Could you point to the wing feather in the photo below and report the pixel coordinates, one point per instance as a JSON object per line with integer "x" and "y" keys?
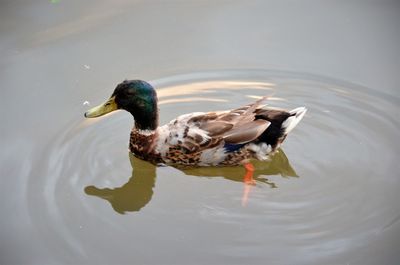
{"x": 236, "y": 126}
{"x": 246, "y": 132}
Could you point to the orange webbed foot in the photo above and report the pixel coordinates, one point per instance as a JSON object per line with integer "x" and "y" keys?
{"x": 248, "y": 181}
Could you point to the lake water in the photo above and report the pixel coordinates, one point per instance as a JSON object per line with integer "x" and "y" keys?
{"x": 72, "y": 193}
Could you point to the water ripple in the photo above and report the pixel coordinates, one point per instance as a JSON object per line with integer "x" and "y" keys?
{"x": 343, "y": 152}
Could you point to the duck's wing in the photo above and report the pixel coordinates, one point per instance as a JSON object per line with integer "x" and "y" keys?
{"x": 199, "y": 131}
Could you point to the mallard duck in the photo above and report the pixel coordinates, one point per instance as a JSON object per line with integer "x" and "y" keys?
{"x": 218, "y": 138}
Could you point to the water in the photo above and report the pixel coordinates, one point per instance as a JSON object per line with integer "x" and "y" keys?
{"x": 327, "y": 193}
{"x": 72, "y": 194}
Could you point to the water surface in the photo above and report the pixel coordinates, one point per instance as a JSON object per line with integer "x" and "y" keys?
{"x": 327, "y": 194}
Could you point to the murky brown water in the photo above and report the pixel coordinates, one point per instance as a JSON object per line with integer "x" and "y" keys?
{"x": 72, "y": 194}
{"x": 328, "y": 192}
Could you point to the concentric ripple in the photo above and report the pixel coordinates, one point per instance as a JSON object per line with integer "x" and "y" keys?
{"x": 336, "y": 179}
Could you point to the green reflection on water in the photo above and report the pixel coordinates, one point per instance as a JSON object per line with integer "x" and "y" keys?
{"x": 138, "y": 191}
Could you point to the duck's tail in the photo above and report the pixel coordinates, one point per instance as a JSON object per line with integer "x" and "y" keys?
{"x": 282, "y": 122}
{"x": 295, "y": 117}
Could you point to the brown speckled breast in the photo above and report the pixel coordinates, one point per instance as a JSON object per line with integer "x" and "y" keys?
{"x": 142, "y": 146}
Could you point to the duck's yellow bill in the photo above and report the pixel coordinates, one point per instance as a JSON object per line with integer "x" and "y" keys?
{"x": 102, "y": 109}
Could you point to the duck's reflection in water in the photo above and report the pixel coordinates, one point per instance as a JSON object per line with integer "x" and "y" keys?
{"x": 134, "y": 194}
{"x": 138, "y": 191}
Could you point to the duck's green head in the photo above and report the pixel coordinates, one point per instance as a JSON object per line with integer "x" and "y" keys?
{"x": 135, "y": 96}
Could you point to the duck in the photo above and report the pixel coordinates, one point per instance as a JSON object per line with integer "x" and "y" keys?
{"x": 200, "y": 139}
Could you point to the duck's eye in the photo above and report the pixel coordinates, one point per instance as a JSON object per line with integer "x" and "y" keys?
{"x": 130, "y": 93}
